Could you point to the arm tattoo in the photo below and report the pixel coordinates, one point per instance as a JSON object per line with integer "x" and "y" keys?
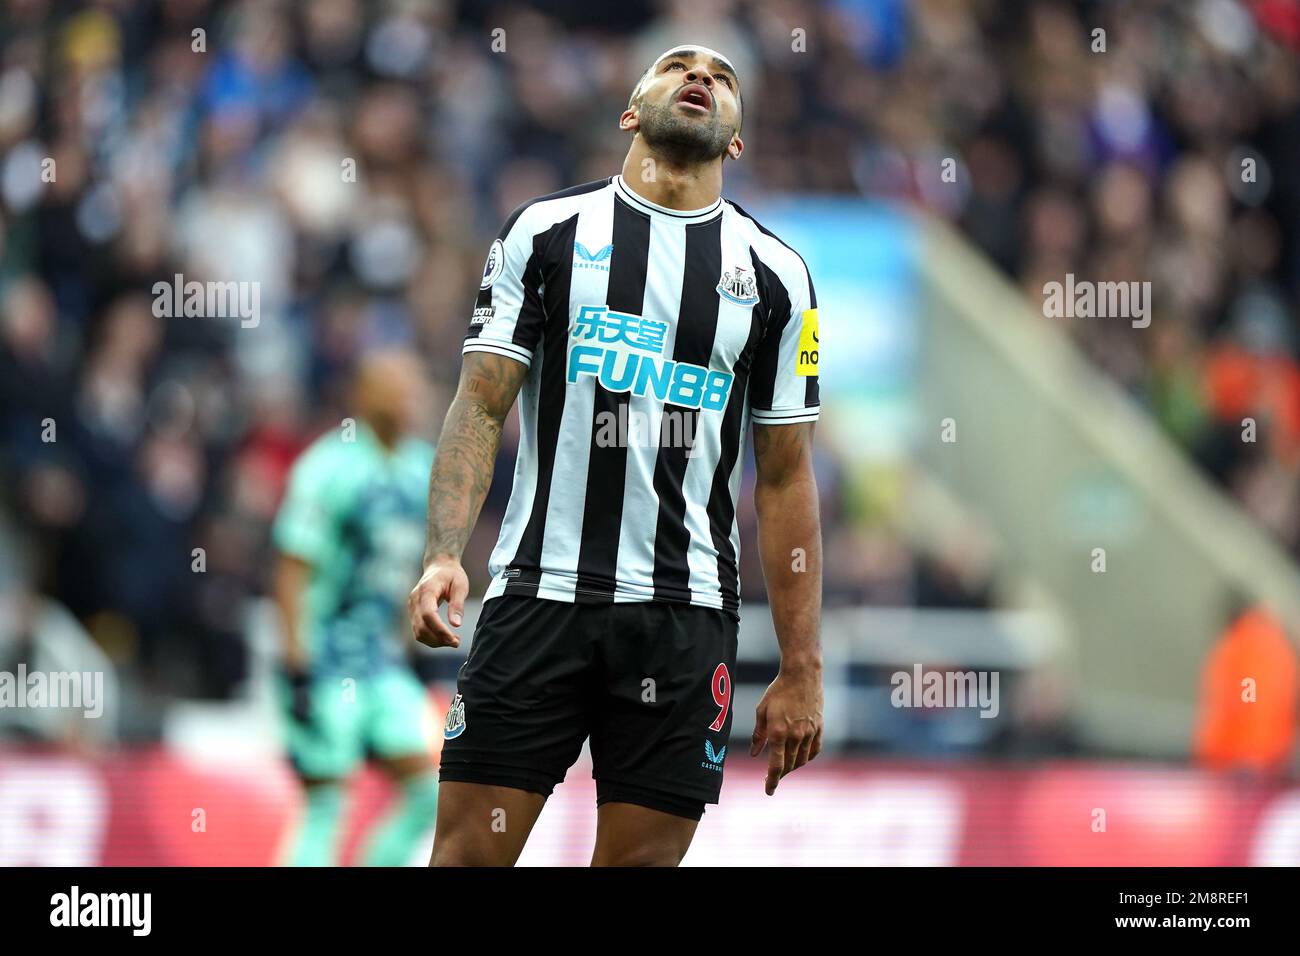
{"x": 467, "y": 450}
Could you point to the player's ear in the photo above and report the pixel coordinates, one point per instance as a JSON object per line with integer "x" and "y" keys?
{"x": 735, "y": 147}
{"x": 629, "y": 122}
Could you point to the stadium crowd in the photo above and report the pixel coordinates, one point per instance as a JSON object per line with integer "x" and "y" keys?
{"x": 354, "y": 160}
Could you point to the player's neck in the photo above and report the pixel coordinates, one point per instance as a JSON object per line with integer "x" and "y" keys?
{"x": 670, "y": 184}
{"x": 385, "y": 436}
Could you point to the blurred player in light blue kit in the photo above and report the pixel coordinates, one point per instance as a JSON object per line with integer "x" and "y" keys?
{"x": 349, "y": 537}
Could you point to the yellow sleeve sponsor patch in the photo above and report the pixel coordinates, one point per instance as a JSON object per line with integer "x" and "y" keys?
{"x": 808, "y": 344}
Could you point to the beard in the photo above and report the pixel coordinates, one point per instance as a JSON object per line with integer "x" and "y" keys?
{"x": 682, "y": 140}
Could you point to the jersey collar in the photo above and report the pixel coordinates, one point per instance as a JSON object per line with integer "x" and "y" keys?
{"x": 656, "y": 211}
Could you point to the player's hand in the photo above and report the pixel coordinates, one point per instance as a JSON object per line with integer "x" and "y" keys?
{"x": 789, "y": 718}
{"x": 443, "y": 581}
{"x": 299, "y": 682}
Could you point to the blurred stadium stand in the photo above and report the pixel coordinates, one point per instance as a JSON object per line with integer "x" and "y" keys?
{"x": 1062, "y": 462}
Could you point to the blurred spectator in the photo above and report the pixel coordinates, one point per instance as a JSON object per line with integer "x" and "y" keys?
{"x": 40, "y": 641}
{"x": 1250, "y": 691}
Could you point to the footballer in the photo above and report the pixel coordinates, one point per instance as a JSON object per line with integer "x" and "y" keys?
{"x": 348, "y": 536}
{"x": 612, "y": 613}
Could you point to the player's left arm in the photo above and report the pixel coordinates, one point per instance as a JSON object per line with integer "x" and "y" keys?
{"x": 785, "y": 401}
{"x": 789, "y": 716}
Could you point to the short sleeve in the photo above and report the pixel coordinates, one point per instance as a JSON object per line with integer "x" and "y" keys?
{"x": 304, "y": 526}
{"x": 783, "y": 386}
{"x": 508, "y": 312}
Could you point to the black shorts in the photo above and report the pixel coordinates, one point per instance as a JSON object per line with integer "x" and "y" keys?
{"x": 649, "y": 683}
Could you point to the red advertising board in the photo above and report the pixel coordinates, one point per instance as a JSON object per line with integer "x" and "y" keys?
{"x": 153, "y": 807}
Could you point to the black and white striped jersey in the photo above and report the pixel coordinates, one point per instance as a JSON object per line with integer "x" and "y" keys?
{"x": 651, "y": 336}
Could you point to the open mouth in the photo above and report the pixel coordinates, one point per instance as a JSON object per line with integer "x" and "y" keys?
{"x": 696, "y": 97}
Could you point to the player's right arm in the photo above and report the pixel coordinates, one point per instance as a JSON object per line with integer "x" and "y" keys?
{"x": 289, "y": 583}
{"x": 458, "y": 483}
{"x": 503, "y": 331}
{"x": 302, "y": 532}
